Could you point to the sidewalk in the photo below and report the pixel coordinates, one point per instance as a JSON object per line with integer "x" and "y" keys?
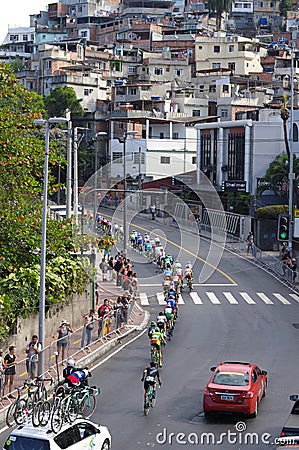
{"x": 83, "y": 356}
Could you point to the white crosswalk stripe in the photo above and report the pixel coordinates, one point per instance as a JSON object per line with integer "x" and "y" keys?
{"x": 213, "y": 298}
{"x": 143, "y": 299}
{"x": 180, "y": 300}
{"x": 282, "y": 299}
{"x": 233, "y": 298}
{"x": 160, "y": 298}
{"x": 247, "y": 298}
{"x": 295, "y": 297}
{"x": 196, "y": 299}
{"x": 264, "y": 298}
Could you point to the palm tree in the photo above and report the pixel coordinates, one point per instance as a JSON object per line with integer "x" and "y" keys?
{"x": 219, "y": 7}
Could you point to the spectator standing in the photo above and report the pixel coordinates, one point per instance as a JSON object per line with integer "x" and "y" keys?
{"x": 153, "y": 211}
{"x": 125, "y": 300}
{"x": 118, "y": 269}
{"x": 1, "y": 373}
{"x": 104, "y": 313}
{"x": 118, "y": 312}
{"x": 293, "y": 267}
{"x": 249, "y": 240}
{"x": 32, "y": 350}
{"x": 9, "y": 370}
{"x": 135, "y": 284}
{"x": 87, "y": 329}
{"x": 110, "y": 269}
{"x": 104, "y": 268}
{"x": 285, "y": 262}
{"x": 63, "y": 333}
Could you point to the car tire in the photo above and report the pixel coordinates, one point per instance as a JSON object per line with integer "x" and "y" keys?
{"x": 254, "y": 414}
{"x": 265, "y": 390}
{"x": 106, "y": 445}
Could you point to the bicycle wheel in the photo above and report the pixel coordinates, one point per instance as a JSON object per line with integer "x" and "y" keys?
{"x": 73, "y": 409}
{"x": 10, "y": 420}
{"x": 40, "y": 394}
{"x": 146, "y": 407}
{"x": 160, "y": 359}
{"x": 45, "y": 413}
{"x": 20, "y": 411}
{"x": 36, "y": 413}
{"x": 57, "y": 419}
{"x": 88, "y": 405}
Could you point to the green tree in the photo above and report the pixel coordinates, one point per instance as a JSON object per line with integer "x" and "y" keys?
{"x": 284, "y": 7}
{"x": 22, "y": 146}
{"x": 219, "y": 7}
{"x": 62, "y": 99}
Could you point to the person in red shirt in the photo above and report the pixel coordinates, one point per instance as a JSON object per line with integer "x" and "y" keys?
{"x": 105, "y": 312}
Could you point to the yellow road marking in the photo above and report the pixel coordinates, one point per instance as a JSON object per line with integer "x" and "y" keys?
{"x": 77, "y": 342}
{"x": 187, "y": 251}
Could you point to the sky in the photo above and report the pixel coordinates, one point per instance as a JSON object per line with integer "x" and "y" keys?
{"x": 17, "y": 12}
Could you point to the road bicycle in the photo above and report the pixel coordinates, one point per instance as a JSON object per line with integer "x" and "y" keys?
{"x": 156, "y": 356}
{"x": 21, "y": 409}
{"x": 78, "y": 402}
{"x": 150, "y": 399}
{"x": 190, "y": 284}
{"x": 35, "y": 394}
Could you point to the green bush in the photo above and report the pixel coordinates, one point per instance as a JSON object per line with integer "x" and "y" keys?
{"x": 271, "y": 212}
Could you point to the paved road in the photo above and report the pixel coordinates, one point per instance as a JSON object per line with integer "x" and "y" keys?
{"x": 241, "y": 313}
{"x": 254, "y": 323}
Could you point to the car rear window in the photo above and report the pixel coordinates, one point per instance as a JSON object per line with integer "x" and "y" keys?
{"x": 25, "y": 443}
{"x": 231, "y": 378}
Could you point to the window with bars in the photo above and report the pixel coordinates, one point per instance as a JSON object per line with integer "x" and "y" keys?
{"x": 139, "y": 158}
{"x": 117, "y": 157}
{"x": 236, "y": 145}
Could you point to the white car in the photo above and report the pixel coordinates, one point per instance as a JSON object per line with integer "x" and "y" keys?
{"x": 82, "y": 434}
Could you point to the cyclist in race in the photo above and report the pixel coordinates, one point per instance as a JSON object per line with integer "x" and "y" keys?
{"x": 148, "y": 249}
{"x": 149, "y": 376}
{"x": 120, "y": 233}
{"x": 152, "y": 328}
{"x": 188, "y": 275}
{"x": 132, "y": 238}
{"x": 166, "y": 285}
{"x": 139, "y": 242}
{"x": 169, "y": 317}
{"x": 157, "y": 340}
{"x": 161, "y": 322}
{"x": 115, "y": 230}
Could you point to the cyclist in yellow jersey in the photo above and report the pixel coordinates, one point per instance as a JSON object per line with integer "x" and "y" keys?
{"x": 157, "y": 340}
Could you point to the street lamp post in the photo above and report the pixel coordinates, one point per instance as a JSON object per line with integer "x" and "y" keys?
{"x": 99, "y": 134}
{"x": 75, "y": 186}
{"x": 127, "y": 133}
{"x": 69, "y": 167}
{"x": 42, "y": 289}
{"x": 291, "y": 170}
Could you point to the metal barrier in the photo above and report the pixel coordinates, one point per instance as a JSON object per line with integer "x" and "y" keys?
{"x": 74, "y": 350}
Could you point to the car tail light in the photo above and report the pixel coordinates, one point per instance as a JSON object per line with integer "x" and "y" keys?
{"x": 207, "y": 391}
{"x": 249, "y": 394}
{"x": 282, "y": 434}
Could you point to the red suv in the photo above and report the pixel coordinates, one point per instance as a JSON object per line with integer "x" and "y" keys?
{"x": 235, "y": 387}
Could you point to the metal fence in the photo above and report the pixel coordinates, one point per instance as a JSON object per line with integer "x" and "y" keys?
{"x": 53, "y": 364}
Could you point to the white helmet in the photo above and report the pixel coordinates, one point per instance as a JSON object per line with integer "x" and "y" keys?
{"x": 71, "y": 363}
